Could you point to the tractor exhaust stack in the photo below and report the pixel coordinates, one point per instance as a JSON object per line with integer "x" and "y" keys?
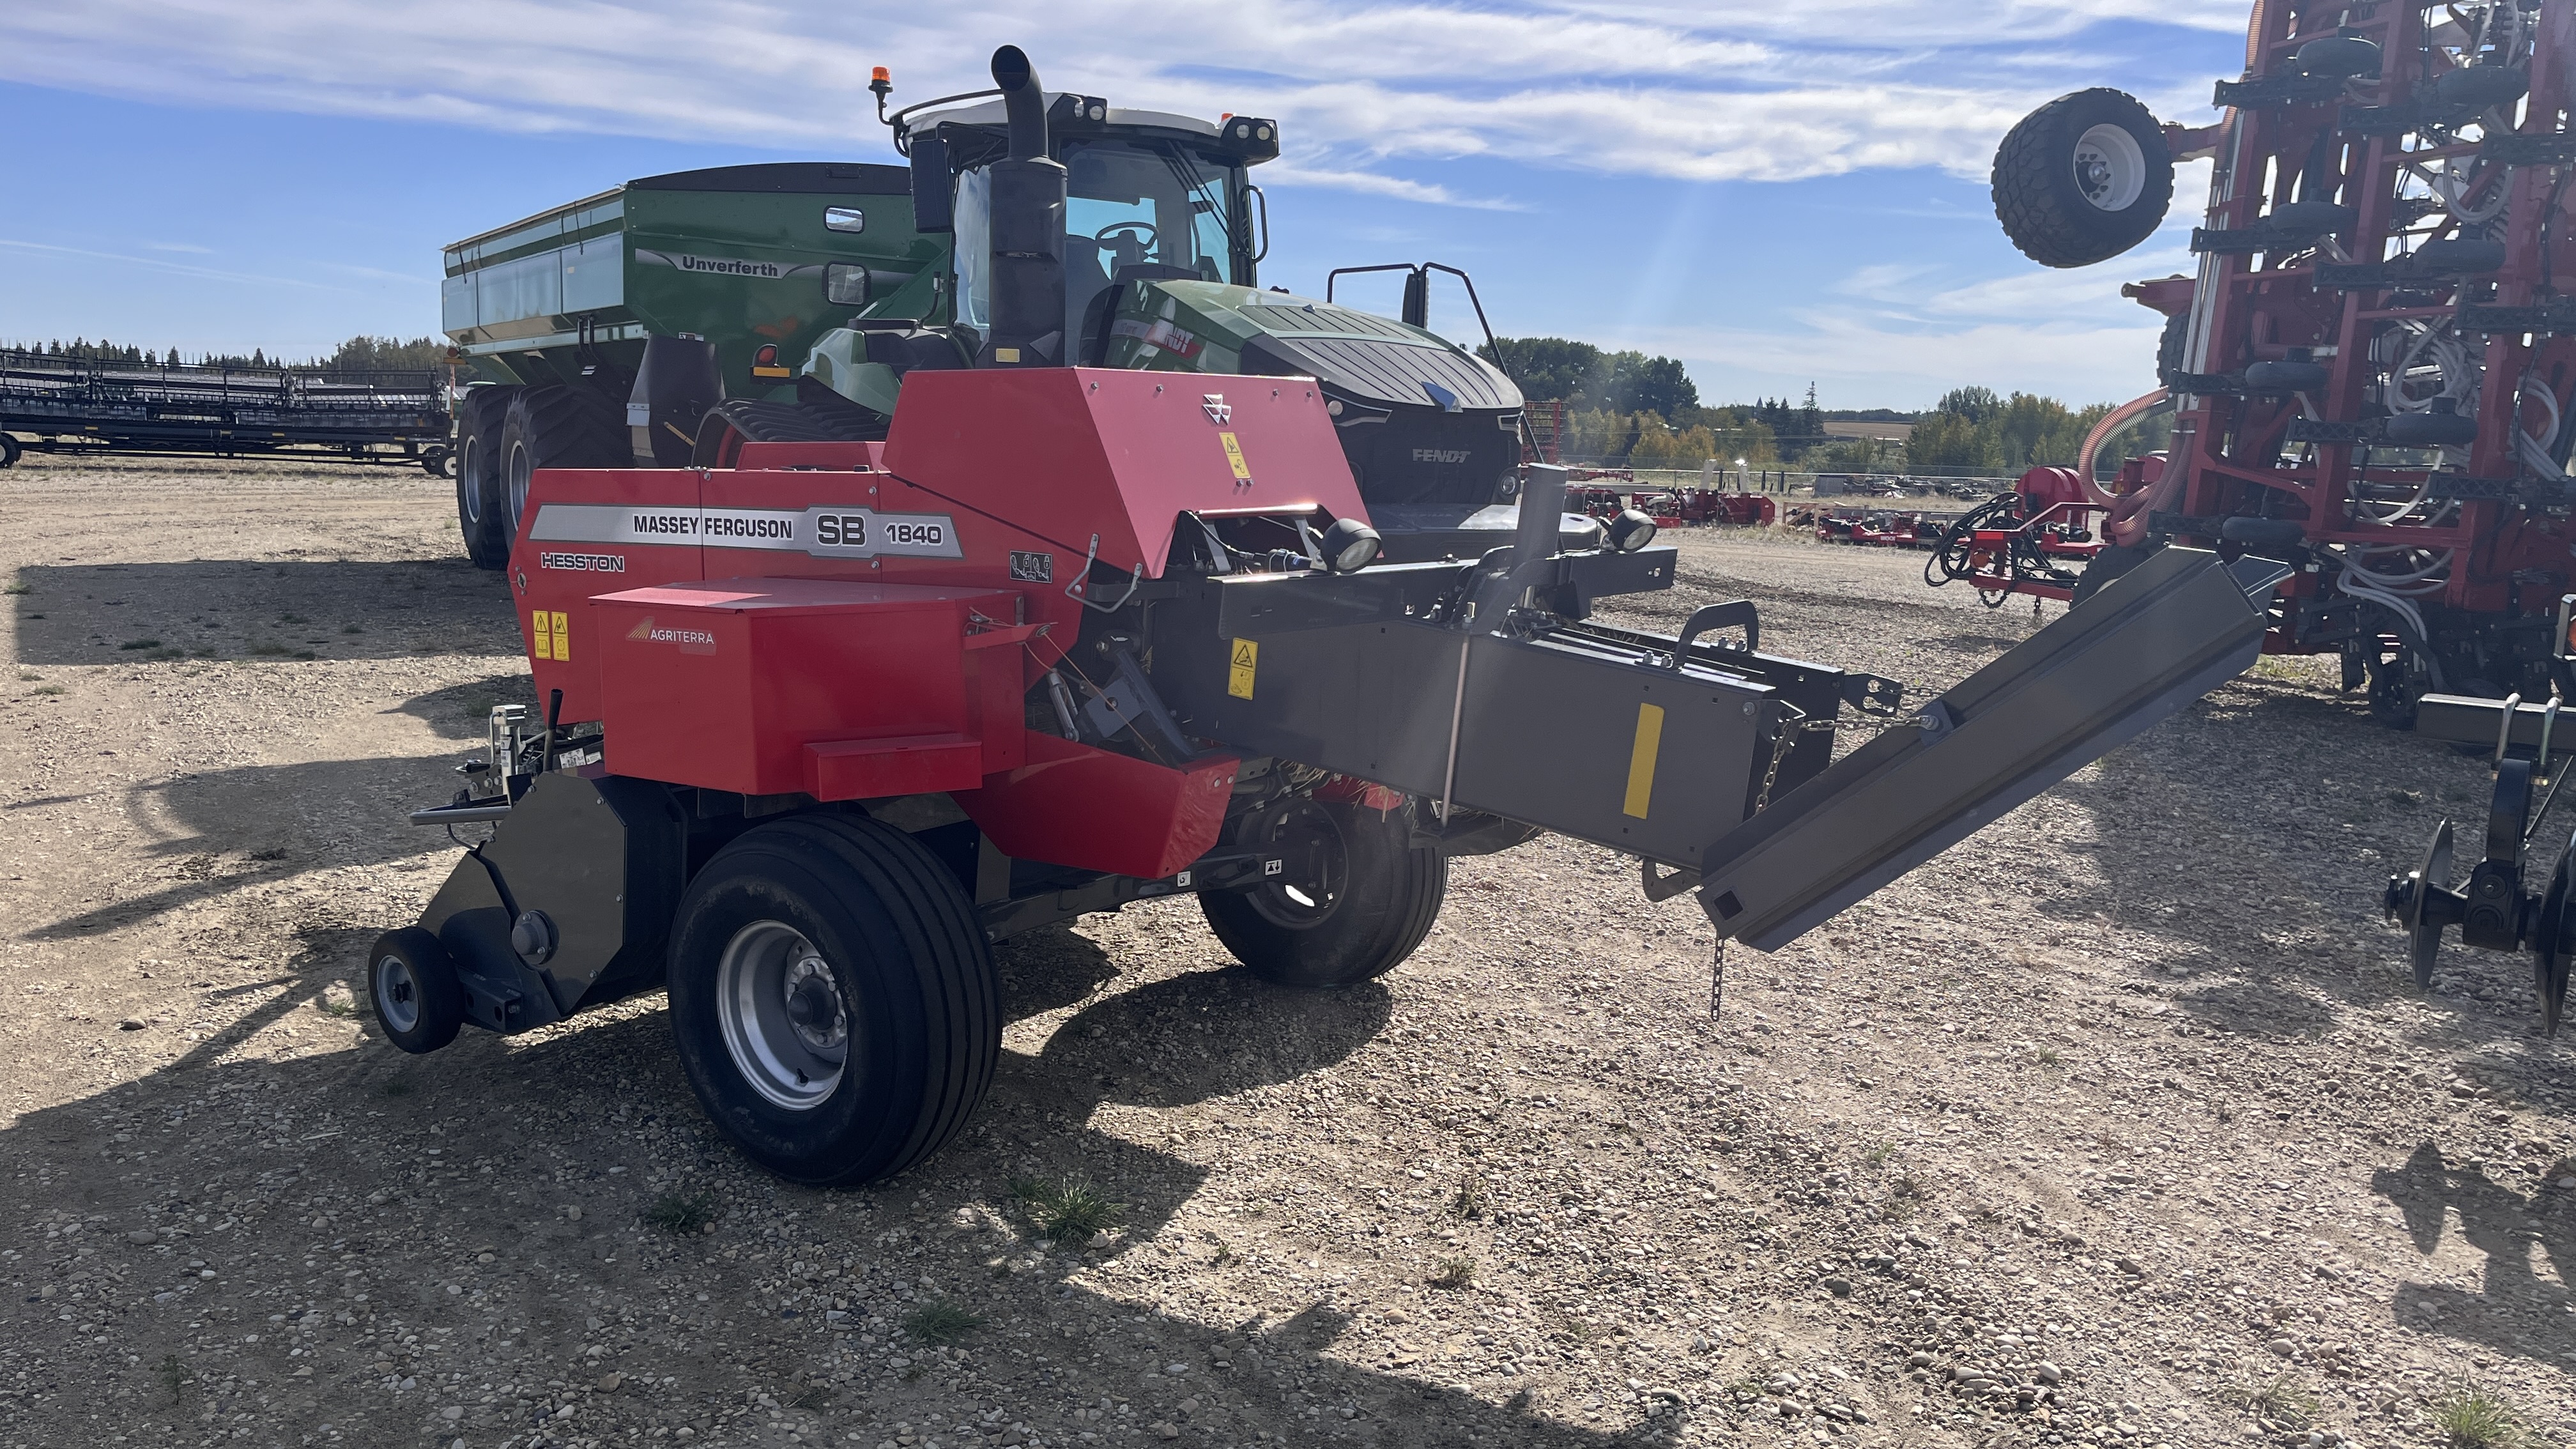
{"x": 1028, "y": 321}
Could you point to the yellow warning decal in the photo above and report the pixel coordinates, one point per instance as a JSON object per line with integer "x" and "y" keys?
{"x": 1234, "y": 455}
{"x": 1238, "y": 674}
{"x": 563, "y": 639}
{"x": 541, "y": 636}
{"x": 1641, "y": 759}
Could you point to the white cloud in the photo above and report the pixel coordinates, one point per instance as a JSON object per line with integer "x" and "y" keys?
{"x": 1735, "y": 91}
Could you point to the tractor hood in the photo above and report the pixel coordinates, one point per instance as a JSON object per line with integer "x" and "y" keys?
{"x": 1425, "y": 422}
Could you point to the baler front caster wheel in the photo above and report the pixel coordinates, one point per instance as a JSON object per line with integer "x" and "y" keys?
{"x": 1367, "y": 901}
{"x": 833, "y": 998}
{"x": 411, "y": 983}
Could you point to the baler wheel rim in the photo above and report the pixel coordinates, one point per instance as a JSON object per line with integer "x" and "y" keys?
{"x": 1286, "y": 904}
{"x": 397, "y": 991}
{"x": 766, "y": 969}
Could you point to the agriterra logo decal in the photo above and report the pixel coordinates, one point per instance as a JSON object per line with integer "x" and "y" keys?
{"x": 823, "y": 531}
{"x": 691, "y": 641}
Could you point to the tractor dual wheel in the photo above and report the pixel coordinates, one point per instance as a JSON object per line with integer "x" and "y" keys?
{"x": 565, "y": 426}
{"x": 2083, "y": 178}
{"x": 1368, "y": 898}
{"x": 412, "y": 985}
{"x": 478, "y": 475}
{"x": 833, "y": 998}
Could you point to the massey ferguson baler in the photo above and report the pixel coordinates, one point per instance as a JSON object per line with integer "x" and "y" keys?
{"x": 823, "y": 725}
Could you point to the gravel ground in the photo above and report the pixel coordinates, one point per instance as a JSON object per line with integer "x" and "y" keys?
{"x": 2117, "y": 1125}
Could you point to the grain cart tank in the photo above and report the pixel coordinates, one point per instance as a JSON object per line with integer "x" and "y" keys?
{"x": 721, "y": 278}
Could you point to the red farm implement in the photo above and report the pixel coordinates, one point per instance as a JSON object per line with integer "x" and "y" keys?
{"x": 2371, "y": 377}
{"x": 2034, "y": 540}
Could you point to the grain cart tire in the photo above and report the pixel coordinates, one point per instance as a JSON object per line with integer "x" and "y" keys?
{"x": 411, "y": 983}
{"x": 1376, "y": 901}
{"x": 565, "y": 426}
{"x": 833, "y": 998}
{"x": 2083, "y": 178}
{"x": 478, "y": 475}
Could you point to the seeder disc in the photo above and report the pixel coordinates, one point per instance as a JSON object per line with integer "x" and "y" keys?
{"x": 2423, "y": 933}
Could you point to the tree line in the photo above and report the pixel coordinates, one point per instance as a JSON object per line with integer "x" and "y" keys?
{"x": 1641, "y": 411}
{"x": 358, "y": 354}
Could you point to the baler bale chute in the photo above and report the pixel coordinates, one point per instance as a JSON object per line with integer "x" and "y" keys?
{"x": 827, "y": 721}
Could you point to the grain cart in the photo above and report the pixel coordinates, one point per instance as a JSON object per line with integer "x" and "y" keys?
{"x": 2369, "y": 375}
{"x": 716, "y": 282}
{"x": 824, "y": 722}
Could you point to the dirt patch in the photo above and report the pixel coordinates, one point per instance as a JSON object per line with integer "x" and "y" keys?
{"x": 2090, "y": 1131}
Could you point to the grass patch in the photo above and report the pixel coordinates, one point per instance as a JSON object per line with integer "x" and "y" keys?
{"x": 941, "y": 1322}
{"x": 1471, "y": 1199}
{"x": 18, "y": 589}
{"x": 1068, "y": 1210}
{"x": 337, "y": 1000}
{"x": 270, "y": 650}
{"x": 2282, "y": 1401}
{"x": 1878, "y": 1152}
{"x": 49, "y": 689}
{"x": 173, "y": 1375}
{"x": 2473, "y": 1416}
{"x": 140, "y": 644}
{"x": 395, "y": 1088}
{"x": 680, "y": 1212}
{"x": 2048, "y": 1057}
{"x": 1454, "y": 1273}
{"x": 28, "y": 676}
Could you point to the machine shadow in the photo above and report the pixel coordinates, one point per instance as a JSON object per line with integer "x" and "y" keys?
{"x": 224, "y": 830}
{"x": 256, "y": 611}
{"x": 2506, "y": 1226}
{"x": 259, "y": 1131}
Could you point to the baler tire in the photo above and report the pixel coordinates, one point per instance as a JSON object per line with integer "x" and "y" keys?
{"x": 921, "y": 1006}
{"x": 413, "y": 989}
{"x": 564, "y": 426}
{"x": 2040, "y": 199}
{"x": 478, "y": 476}
{"x": 1391, "y": 893}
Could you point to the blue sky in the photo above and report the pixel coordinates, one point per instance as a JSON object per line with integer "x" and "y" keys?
{"x": 1774, "y": 193}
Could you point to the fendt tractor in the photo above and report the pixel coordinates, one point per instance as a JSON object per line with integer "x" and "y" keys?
{"x": 670, "y": 321}
{"x": 825, "y": 717}
{"x": 2371, "y": 378}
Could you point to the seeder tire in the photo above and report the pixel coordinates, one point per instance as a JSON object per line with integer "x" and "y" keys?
{"x": 2083, "y": 178}
{"x": 1379, "y": 898}
{"x": 565, "y": 426}
{"x": 825, "y": 923}
{"x": 412, "y": 985}
{"x": 479, "y": 492}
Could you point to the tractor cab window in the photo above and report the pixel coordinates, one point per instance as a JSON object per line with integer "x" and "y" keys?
{"x": 1127, "y": 202}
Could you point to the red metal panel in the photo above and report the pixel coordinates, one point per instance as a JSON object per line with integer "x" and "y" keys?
{"x": 1074, "y": 805}
{"x": 724, "y": 684}
{"x": 1069, "y": 453}
{"x": 905, "y": 765}
{"x": 559, "y": 575}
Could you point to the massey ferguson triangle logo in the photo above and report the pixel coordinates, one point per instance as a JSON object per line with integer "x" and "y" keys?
{"x": 1218, "y": 410}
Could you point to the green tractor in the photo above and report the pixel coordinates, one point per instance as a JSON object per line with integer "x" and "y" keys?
{"x": 1031, "y": 229}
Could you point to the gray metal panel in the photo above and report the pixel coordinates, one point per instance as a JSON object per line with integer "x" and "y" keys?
{"x": 2169, "y": 631}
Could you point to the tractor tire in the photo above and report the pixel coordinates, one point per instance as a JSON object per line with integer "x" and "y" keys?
{"x": 1377, "y": 899}
{"x": 833, "y": 998}
{"x": 2083, "y": 178}
{"x": 565, "y": 426}
{"x": 479, "y": 490}
{"x": 411, "y": 983}
{"x": 2169, "y": 348}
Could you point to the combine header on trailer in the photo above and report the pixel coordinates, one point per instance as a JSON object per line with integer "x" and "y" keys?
{"x": 826, "y": 721}
{"x": 149, "y": 409}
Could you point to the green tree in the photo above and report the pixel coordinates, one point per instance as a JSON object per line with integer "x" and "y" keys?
{"x": 1946, "y": 441}
{"x": 1545, "y": 367}
{"x": 1976, "y": 404}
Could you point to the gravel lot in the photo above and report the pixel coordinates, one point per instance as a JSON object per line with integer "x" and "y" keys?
{"x": 2118, "y": 1125}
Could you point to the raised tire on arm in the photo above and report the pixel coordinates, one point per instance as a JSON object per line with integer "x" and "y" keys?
{"x": 1367, "y": 903}
{"x": 2083, "y": 178}
{"x": 833, "y": 998}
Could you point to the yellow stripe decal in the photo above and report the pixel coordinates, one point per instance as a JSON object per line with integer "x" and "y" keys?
{"x": 1641, "y": 759}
